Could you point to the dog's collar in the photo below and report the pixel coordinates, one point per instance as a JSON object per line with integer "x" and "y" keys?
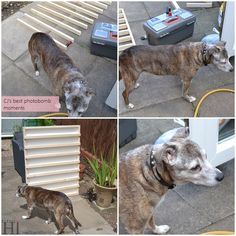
{"x": 204, "y": 52}
{"x": 157, "y": 175}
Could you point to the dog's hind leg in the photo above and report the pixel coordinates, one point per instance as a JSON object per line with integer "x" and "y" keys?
{"x": 73, "y": 219}
{"x": 59, "y": 218}
{"x": 185, "y": 89}
{"x": 157, "y": 229}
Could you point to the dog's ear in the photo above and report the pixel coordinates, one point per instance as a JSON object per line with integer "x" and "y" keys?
{"x": 181, "y": 133}
{"x": 169, "y": 154}
{"x": 89, "y": 92}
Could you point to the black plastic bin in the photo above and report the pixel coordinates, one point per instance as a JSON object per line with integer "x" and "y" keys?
{"x": 18, "y": 154}
{"x": 128, "y": 131}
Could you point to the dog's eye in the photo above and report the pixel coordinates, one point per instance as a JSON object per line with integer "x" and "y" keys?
{"x": 195, "y": 168}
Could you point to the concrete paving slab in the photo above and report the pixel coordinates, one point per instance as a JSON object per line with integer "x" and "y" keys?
{"x": 16, "y": 37}
{"x": 215, "y": 203}
{"x": 111, "y": 11}
{"x": 181, "y": 217}
{"x": 102, "y": 83}
{"x": 153, "y": 90}
{"x": 134, "y": 11}
{"x": 156, "y": 8}
{"x": 148, "y": 130}
{"x": 5, "y": 62}
{"x": 226, "y": 224}
{"x": 25, "y": 64}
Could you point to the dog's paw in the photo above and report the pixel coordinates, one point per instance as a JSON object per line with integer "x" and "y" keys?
{"x": 47, "y": 221}
{"x": 161, "y": 229}
{"x": 192, "y": 99}
{"x": 131, "y": 106}
{"x": 136, "y": 85}
{"x": 76, "y": 231}
{"x": 37, "y": 73}
{"x": 25, "y": 217}
{"x": 56, "y": 232}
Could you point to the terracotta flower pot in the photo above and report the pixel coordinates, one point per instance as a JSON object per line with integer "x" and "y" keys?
{"x": 104, "y": 195}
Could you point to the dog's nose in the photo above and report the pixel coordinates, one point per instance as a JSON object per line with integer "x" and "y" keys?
{"x": 231, "y": 70}
{"x": 219, "y": 176}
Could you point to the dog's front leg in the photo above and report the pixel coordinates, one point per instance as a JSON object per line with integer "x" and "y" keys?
{"x": 185, "y": 88}
{"x": 49, "y": 217}
{"x": 29, "y": 208}
{"x": 157, "y": 229}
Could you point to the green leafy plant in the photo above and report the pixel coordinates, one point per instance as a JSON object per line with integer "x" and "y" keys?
{"x": 105, "y": 171}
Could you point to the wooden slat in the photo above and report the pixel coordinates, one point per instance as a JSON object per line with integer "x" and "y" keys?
{"x": 51, "y": 155}
{"x": 80, "y": 9}
{"x": 44, "y": 164}
{"x": 37, "y": 30}
{"x": 89, "y": 6}
{"x": 123, "y": 47}
{"x": 123, "y": 33}
{"x": 79, "y": 16}
{"x": 48, "y": 136}
{"x": 39, "y": 183}
{"x": 125, "y": 39}
{"x": 63, "y": 35}
{"x": 98, "y": 4}
{"x": 66, "y": 18}
{"x": 61, "y": 24}
{"x": 48, "y": 173}
{"x": 27, "y": 147}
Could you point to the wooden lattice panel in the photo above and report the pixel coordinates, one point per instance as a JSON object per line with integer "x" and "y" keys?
{"x": 64, "y": 19}
{"x": 52, "y": 157}
{"x": 126, "y": 38}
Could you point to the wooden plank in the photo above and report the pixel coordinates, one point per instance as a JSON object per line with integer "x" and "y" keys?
{"x": 98, "y": 4}
{"x": 90, "y": 7}
{"x": 106, "y": 2}
{"x": 122, "y": 26}
{"x": 54, "y": 181}
{"x": 37, "y": 30}
{"x": 63, "y": 35}
{"x": 51, "y": 146}
{"x": 66, "y": 18}
{"x": 123, "y": 47}
{"x": 51, "y": 164}
{"x": 123, "y": 33}
{"x": 82, "y": 17}
{"x": 61, "y": 24}
{"x": 51, "y": 155}
{"x": 47, "y": 173}
{"x": 125, "y": 39}
{"x": 199, "y": 4}
{"x": 80, "y": 9}
{"x": 51, "y": 136}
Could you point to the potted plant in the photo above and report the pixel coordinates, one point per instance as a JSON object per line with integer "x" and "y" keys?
{"x": 105, "y": 172}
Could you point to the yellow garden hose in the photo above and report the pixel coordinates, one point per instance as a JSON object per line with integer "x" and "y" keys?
{"x": 219, "y": 233}
{"x": 207, "y": 94}
{"x": 54, "y": 115}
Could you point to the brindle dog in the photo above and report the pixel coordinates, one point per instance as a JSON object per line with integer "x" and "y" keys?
{"x": 67, "y": 79}
{"x": 182, "y": 60}
{"x": 147, "y": 172}
{"x": 52, "y": 201}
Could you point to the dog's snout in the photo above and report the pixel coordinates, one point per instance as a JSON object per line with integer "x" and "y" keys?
{"x": 219, "y": 176}
{"x": 231, "y": 70}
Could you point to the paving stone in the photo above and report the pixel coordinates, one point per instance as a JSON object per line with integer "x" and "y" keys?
{"x": 134, "y": 11}
{"x": 101, "y": 78}
{"x": 181, "y": 217}
{"x": 5, "y": 62}
{"x": 226, "y": 224}
{"x": 156, "y": 8}
{"x": 216, "y": 202}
